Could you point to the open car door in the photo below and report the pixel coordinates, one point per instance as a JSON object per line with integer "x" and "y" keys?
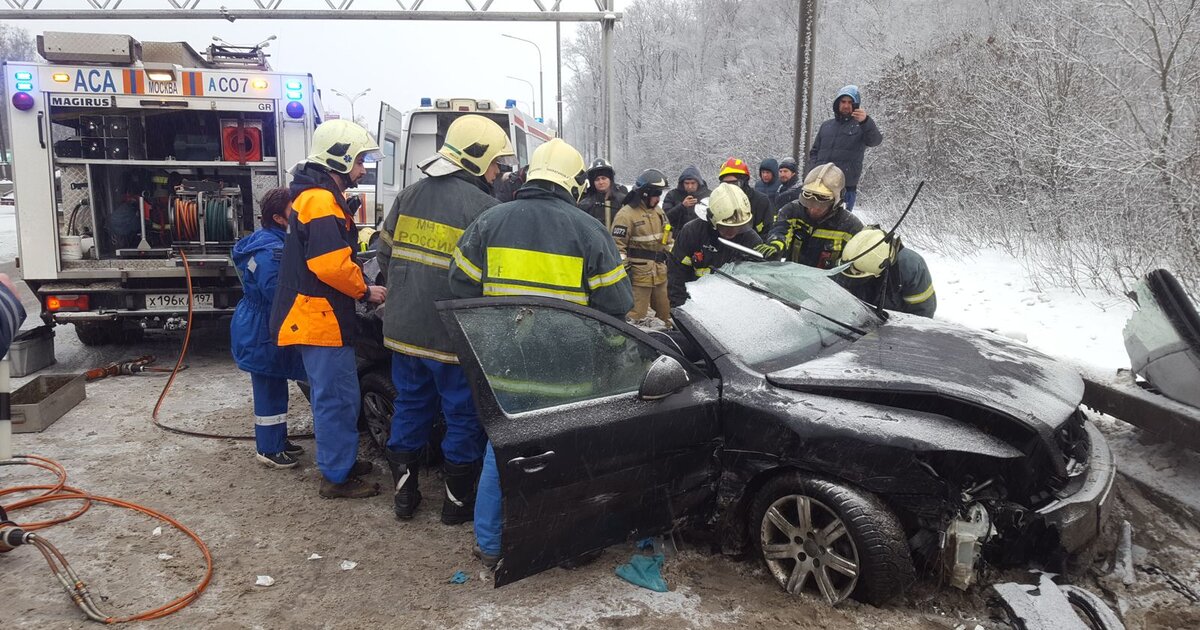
{"x": 601, "y": 433}
{"x": 389, "y": 173}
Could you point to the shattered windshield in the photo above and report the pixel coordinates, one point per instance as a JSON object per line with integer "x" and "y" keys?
{"x": 766, "y": 333}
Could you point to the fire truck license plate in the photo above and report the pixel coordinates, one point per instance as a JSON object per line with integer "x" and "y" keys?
{"x": 177, "y": 300}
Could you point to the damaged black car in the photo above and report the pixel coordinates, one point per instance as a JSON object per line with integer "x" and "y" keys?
{"x": 845, "y": 447}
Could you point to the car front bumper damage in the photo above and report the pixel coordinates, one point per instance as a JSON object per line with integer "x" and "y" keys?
{"x": 1078, "y": 518}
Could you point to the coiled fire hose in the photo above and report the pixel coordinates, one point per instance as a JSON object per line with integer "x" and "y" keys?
{"x": 13, "y": 535}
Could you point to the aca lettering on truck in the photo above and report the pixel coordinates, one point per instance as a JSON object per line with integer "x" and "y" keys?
{"x": 99, "y": 81}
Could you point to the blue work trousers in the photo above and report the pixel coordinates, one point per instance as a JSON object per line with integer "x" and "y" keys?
{"x": 851, "y": 195}
{"x": 489, "y": 511}
{"x": 270, "y": 412}
{"x": 422, "y": 385}
{"x": 333, "y": 379}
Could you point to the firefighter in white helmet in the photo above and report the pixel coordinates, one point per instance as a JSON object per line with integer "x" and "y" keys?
{"x": 725, "y": 214}
{"x": 885, "y": 273}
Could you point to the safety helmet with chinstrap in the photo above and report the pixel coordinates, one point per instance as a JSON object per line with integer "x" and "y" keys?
{"x": 337, "y": 144}
{"x": 868, "y": 253}
{"x": 823, "y": 185}
{"x": 473, "y": 142}
{"x": 649, "y": 180}
{"x": 734, "y": 166}
{"x": 601, "y": 167}
{"x": 559, "y": 163}
{"x": 727, "y": 206}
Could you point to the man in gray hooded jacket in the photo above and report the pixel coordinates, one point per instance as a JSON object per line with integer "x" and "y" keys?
{"x": 844, "y": 139}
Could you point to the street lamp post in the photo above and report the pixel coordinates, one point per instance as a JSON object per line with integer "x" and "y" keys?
{"x": 353, "y": 118}
{"x": 541, "y": 81}
{"x": 531, "y": 91}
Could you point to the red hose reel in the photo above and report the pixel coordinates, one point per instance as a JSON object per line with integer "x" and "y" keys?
{"x": 241, "y": 144}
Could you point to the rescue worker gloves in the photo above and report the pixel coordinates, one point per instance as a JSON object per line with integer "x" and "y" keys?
{"x": 769, "y": 250}
{"x": 728, "y": 206}
{"x": 337, "y": 144}
{"x": 868, "y": 253}
{"x": 823, "y": 187}
{"x": 560, "y": 164}
{"x": 473, "y": 142}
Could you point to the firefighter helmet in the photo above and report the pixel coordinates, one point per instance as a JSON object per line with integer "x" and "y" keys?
{"x": 734, "y": 166}
{"x": 651, "y": 183}
{"x": 868, "y": 253}
{"x": 473, "y": 142}
{"x": 727, "y": 206}
{"x": 601, "y": 167}
{"x": 823, "y": 186}
{"x": 337, "y": 144}
{"x": 559, "y": 163}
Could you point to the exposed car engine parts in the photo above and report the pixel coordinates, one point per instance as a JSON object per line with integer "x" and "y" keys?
{"x": 13, "y": 535}
{"x": 963, "y": 543}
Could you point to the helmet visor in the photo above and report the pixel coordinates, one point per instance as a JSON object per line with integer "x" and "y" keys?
{"x": 371, "y": 155}
{"x": 507, "y": 160}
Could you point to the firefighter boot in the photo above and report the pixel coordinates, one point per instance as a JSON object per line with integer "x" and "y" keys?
{"x": 459, "y": 504}
{"x": 405, "y": 466}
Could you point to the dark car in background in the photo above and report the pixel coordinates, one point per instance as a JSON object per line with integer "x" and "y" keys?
{"x": 845, "y": 446}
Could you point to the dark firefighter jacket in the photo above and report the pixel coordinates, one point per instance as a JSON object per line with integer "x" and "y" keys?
{"x": 604, "y": 207}
{"x": 415, "y": 246}
{"x": 697, "y": 252}
{"x": 540, "y": 244}
{"x": 319, "y": 280}
{"x": 843, "y": 141}
{"x": 643, "y": 240}
{"x": 257, "y": 259}
{"x": 761, "y": 210}
{"x": 809, "y": 242}
{"x": 907, "y": 287}
{"x": 672, "y": 203}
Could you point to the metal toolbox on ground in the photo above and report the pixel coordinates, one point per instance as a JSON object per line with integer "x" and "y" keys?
{"x": 38, "y": 403}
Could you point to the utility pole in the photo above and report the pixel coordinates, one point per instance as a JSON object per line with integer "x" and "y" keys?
{"x": 353, "y": 118}
{"x": 606, "y": 35}
{"x": 806, "y": 48}
{"x": 558, "y": 73}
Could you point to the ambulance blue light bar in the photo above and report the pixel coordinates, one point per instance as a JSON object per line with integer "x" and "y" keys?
{"x": 426, "y": 101}
{"x": 510, "y": 103}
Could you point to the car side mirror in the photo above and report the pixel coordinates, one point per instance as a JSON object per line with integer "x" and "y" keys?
{"x": 665, "y": 377}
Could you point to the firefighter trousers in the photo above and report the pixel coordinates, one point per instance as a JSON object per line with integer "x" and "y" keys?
{"x": 333, "y": 381}
{"x": 422, "y": 386}
{"x": 651, "y": 297}
{"x": 489, "y": 515}
{"x": 270, "y": 412}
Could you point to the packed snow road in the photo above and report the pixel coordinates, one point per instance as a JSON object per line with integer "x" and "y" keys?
{"x": 261, "y": 522}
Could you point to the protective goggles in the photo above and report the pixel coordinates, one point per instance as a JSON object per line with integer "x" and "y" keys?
{"x": 815, "y": 196}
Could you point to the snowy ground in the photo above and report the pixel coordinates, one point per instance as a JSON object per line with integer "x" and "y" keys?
{"x": 261, "y": 522}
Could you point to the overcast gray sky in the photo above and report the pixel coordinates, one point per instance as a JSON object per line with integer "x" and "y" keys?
{"x": 400, "y": 61}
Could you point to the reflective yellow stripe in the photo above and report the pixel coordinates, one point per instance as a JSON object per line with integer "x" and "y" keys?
{"x": 651, "y": 237}
{"x": 418, "y": 351}
{"x": 572, "y": 390}
{"x": 496, "y": 289}
{"x": 607, "y": 279}
{"x": 833, "y": 235}
{"x": 426, "y": 234}
{"x": 433, "y": 260}
{"x": 687, "y": 260}
{"x": 467, "y": 266}
{"x": 920, "y": 297}
{"x": 526, "y": 265}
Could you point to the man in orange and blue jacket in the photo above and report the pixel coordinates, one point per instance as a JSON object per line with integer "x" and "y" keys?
{"x": 319, "y": 282}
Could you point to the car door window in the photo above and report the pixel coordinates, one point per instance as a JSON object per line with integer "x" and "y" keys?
{"x": 538, "y": 357}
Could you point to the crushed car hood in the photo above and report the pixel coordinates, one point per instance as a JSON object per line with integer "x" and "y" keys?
{"x": 914, "y": 355}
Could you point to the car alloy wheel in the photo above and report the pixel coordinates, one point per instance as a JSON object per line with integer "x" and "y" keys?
{"x": 378, "y": 403}
{"x": 807, "y": 548}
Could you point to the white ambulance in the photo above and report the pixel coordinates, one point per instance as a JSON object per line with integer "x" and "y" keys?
{"x": 125, "y": 154}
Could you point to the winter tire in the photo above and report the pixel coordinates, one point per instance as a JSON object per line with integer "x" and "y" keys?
{"x": 378, "y": 402}
{"x": 96, "y": 333}
{"x": 830, "y": 540}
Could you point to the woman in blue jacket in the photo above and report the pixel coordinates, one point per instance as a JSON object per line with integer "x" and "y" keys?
{"x": 257, "y": 259}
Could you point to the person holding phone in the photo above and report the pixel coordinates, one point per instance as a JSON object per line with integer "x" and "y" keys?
{"x": 843, "y": 140}
{"x": 680, "y": 202}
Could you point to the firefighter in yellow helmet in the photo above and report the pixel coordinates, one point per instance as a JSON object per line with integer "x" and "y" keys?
{"x": 319, "y": 281}
{"x": 643, "y": 236}
{"x": 415, "y": 248}
{"x": 885, "y": 273}
{"x": 813, "y": 229}
{"x": 539, "y": 244}
{"x": 725, "y": 214}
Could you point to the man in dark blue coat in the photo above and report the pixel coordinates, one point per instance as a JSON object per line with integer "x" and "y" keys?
{"x": 768, "y": 179}
{"x": 844, "y": 139}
